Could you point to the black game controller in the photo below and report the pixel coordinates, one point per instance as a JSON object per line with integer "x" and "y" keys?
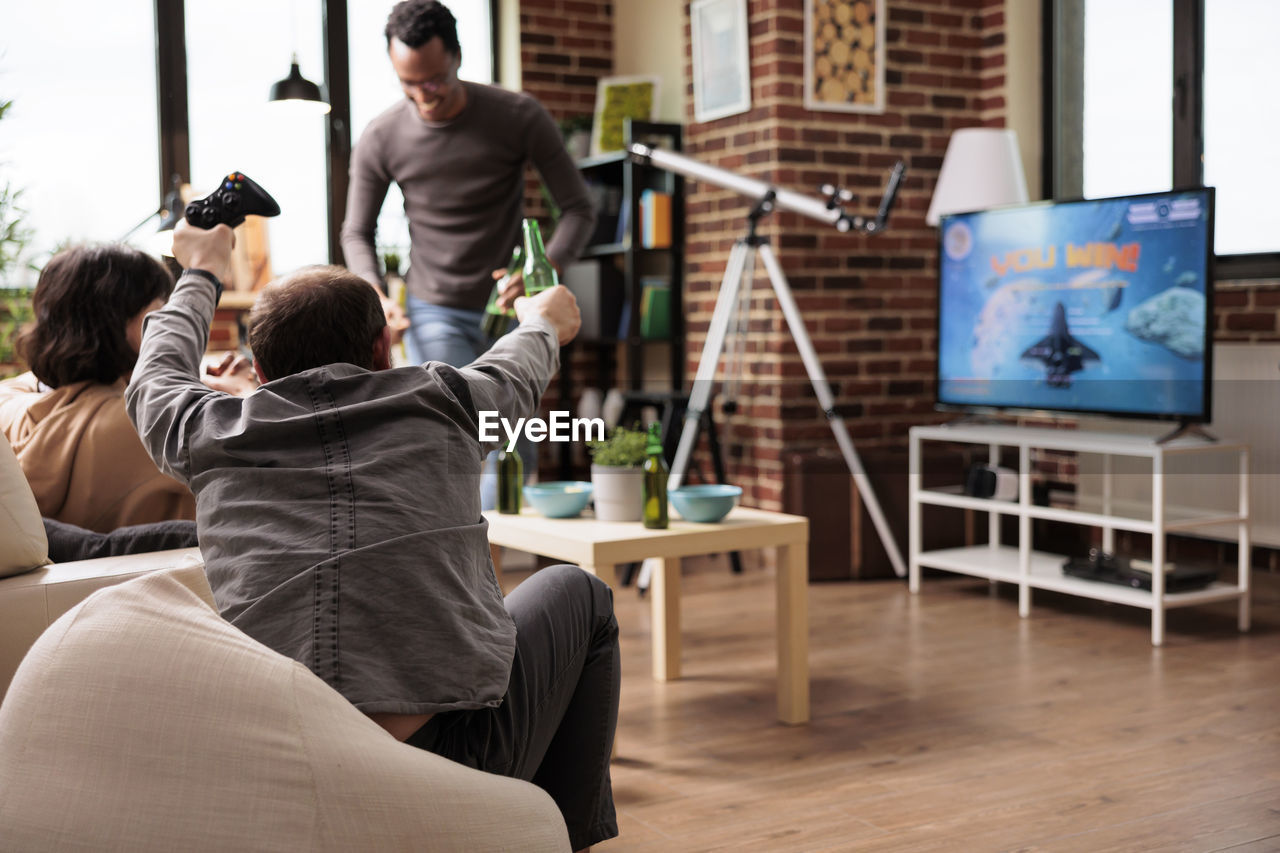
{"x": 231, "y": 202}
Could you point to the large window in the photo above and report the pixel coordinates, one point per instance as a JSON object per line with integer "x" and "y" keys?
{"x": 1128, "y": 86}
{"x": 80, "y": 140}
{"x": 1146, "y": 95}
{"x": 1242, "y": 122}
{"x": 234, "y": 128}
{"x": 85, "y": 143}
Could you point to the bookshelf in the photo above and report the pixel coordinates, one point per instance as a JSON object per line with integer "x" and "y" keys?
{"x": 612, "y": 272}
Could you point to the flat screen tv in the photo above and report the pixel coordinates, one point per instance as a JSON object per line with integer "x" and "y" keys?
{"x": 1101, "y": 306}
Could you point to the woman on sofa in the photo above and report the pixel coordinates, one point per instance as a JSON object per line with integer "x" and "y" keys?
{"x": 65, "y": 418}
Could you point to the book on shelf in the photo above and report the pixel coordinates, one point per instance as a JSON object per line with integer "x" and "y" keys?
{"x": 655, "y": 308}
{"x": 624, "y": 223}
{"x": 655, "y": 219}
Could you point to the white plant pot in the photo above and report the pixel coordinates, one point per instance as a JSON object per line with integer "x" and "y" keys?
{"x": 618, "y": 493}
{"x": 579, "y": 144}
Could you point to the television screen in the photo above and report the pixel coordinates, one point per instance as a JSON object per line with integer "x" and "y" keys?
{"x": 1102, "y": 306}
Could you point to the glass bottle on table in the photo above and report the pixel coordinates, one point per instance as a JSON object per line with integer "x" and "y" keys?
{"x": 539, "y": 274}
{"x": 497, "y": 322}
{"x": 510, "y": 481}
{"x": 655, "y": 481}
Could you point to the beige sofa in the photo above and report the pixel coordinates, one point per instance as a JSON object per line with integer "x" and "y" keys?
{"x": 31, "y": 601}
{"x": 141, "y": 720}
{"x": 35, "y": 592}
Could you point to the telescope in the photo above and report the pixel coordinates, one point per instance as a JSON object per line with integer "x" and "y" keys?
{"x": 831, "y": 211}
{"x": 734, "y": 299}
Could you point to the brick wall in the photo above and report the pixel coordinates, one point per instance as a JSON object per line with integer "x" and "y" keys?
{"x": 566, "y": 46}
{"x": 1246, "y": 311}
{"x": 868, "y": 302}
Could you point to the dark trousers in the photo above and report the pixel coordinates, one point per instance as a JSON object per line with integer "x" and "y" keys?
{"x": 555, "y": 725}
{"x": 68, "y": 542}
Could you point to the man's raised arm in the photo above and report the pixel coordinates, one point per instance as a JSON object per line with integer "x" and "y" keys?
{"x": 165, "y": 387}
{"x": 509, "y": 379}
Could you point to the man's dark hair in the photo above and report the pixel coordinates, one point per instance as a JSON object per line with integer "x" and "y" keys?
{"x": 316, "y": 316}
{"x": 416, "y": 22}
{"x": 85, "y": 297}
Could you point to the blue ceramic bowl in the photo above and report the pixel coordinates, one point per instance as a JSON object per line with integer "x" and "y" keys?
{"x": 562, "y": 499}
{"x": 708, "y": 503}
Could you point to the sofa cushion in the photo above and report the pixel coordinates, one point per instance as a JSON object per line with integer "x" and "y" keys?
{"x": 23, "y": 545}
{"x": 141, "y": 720}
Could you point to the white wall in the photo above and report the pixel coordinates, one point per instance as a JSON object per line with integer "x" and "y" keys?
{"x": 509, "y": 76}
{"x": 1025, "y": 86}
{"x": 648, "y": 38}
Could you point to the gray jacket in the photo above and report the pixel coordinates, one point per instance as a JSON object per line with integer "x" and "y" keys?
{"x": 339, "y": 509}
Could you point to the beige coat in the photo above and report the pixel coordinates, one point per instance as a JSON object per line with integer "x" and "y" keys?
{"x": 83, "y": 459}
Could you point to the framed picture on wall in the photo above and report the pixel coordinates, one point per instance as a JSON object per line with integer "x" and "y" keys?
{"x": 721, "y": 61}
{"x": 844, "y": 55}
{"x": 618, "y": 99}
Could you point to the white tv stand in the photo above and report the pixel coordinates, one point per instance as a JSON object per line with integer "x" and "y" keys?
{"x": 1029, "y": 569}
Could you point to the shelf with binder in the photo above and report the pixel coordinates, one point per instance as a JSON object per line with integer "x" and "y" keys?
{"x": 639, "y": 205}
{"x": 629, "y": 280}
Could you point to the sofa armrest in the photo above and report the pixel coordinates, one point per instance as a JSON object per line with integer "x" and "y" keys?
{"x": 30, "y": 602}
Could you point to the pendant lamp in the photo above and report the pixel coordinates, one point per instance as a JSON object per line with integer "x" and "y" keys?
{"x": 297, "y": 89}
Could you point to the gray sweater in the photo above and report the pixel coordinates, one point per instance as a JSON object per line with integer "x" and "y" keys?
{"x": 339, "y": 508}
{"x": 463, "y": 186}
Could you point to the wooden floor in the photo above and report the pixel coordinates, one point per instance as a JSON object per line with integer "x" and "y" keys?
{"x": 943, "y": 722}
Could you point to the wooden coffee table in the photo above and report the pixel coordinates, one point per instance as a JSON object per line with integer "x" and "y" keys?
{"x": 600, "y": 546}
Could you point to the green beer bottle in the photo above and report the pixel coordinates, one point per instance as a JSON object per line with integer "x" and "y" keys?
{"x": 655, "y": 481}
{"x": 497, "y": 322}
{"x": 538, "y": 272}
{"x": 510, "y": 481}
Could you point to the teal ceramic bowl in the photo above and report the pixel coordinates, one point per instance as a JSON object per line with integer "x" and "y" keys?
{"x": 561, "y": 499}
{"x": 707, "y": 504}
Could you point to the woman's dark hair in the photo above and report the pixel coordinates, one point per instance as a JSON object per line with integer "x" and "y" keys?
{"x": 316, "y": 316}
{"x": 416, "y": 22}
{"x": 84, "y": 300}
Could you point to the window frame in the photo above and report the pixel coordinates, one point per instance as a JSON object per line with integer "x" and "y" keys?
{"x": 1187, "y": 116}
{"x": 172, "y": 102}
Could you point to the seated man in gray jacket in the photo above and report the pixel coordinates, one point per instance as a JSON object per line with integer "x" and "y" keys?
{"x": 319, "y": 542}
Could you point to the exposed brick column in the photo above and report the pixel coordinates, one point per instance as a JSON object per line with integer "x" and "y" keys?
{"x": 868, "y": 302}
{"x": 566, "y": 46}
{"x": 1247, "y": 312}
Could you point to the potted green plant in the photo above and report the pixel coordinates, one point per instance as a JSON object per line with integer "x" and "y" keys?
{"x": 576, "y": 131}
{"x": 617, "y": 478}
{"x": 391, "y": 262}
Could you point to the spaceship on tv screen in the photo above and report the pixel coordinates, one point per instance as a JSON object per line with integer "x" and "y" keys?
{"x": 1098, "y": 306}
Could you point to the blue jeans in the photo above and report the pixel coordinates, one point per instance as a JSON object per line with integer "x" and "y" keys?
{"x": 453, "y": 336}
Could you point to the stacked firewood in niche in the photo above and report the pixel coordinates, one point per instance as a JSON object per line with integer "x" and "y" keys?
{"x": 844, "y": 40}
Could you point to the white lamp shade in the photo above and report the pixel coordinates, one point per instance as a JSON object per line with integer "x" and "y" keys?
{"x": 981, "y": 169}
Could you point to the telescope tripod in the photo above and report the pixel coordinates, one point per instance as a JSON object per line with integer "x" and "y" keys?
{"x": 741, "y": 269}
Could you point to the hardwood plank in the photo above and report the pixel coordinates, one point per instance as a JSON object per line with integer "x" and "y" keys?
{"x": 944, "y": 722}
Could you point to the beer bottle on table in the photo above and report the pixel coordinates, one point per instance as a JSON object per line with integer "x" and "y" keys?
{"x": 655, "y": 481}
{"x": 510, "y": 481}
{"x": 497, "y": 322}
{"x": 539, "y": 274}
